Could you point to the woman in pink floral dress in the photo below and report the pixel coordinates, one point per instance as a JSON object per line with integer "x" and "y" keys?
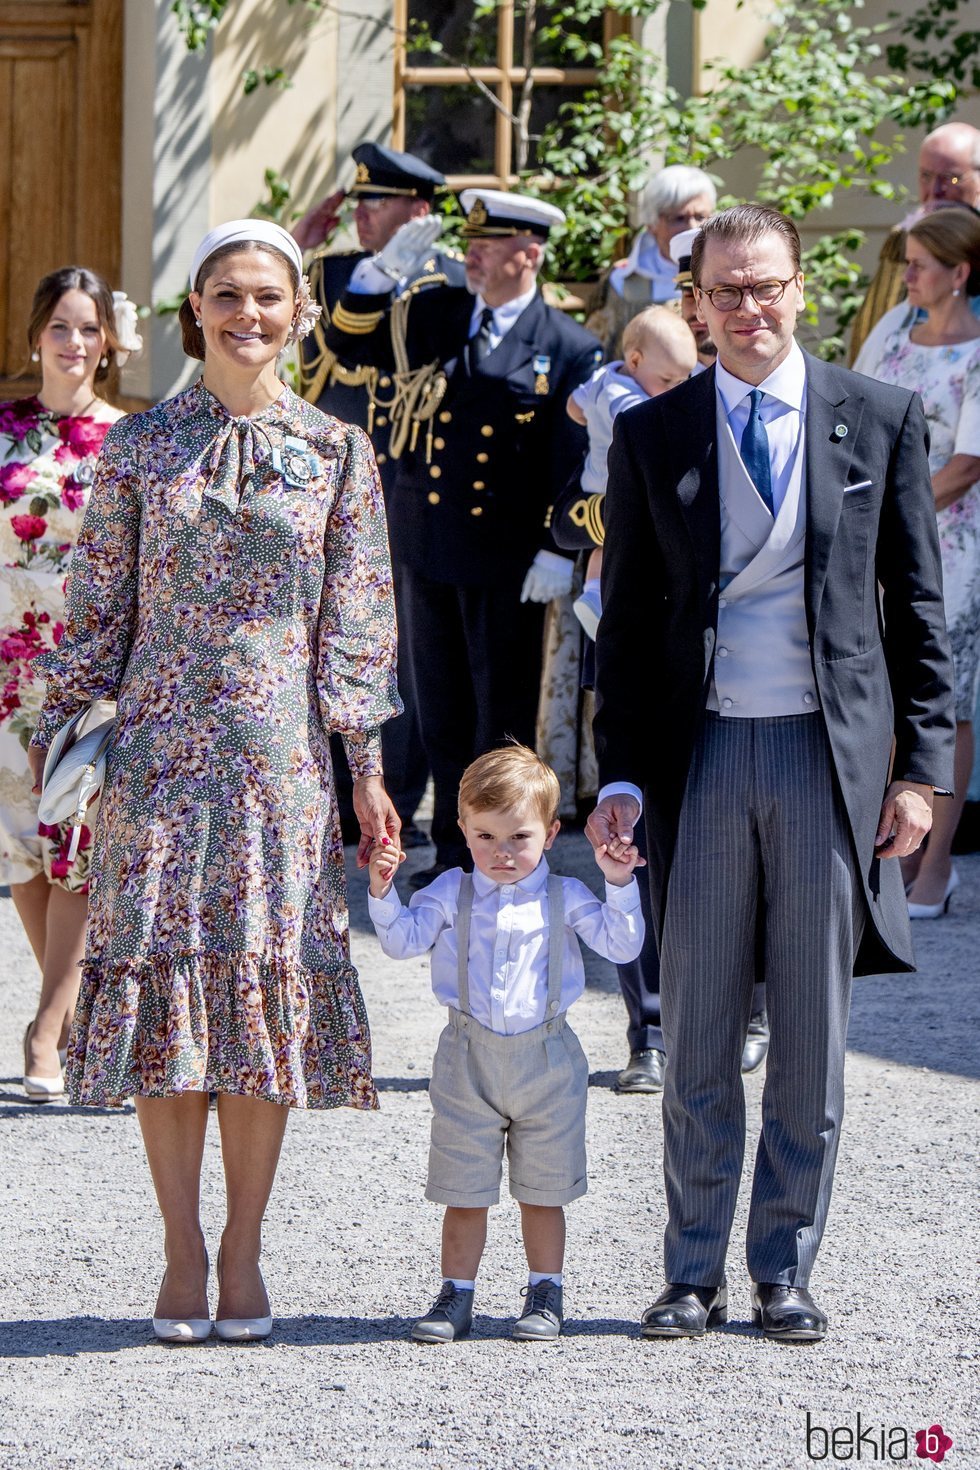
{"x": 931, "y": 343}
{"x": 48, "y": 448}
{"x": 232, "y": 589}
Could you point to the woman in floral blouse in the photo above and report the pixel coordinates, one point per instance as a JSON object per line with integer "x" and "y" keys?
{"x": 232, "y": 589}
{"x": 931, "y": 343}
{"x": 48, "y": 448}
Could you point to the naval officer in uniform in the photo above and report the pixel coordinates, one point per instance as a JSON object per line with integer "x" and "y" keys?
{"x": 397, "y": 232}
{"x": 482, "y": 445}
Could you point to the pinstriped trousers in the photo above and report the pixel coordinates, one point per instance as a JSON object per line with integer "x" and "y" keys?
{"x": 764, "y": 857}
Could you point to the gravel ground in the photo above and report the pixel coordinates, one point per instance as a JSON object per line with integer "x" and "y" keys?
{"x": 351, "y": 1258}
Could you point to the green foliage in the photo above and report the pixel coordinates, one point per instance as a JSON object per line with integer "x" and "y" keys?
{"x": 817, "y": 114}
{"x": 265, "y": 76}
{"x": 934, "y": 23}
{"x": 196, "y": 19}
{"x": 280, "y": 193}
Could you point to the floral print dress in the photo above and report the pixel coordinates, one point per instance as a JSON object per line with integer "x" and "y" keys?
{"x": 232, "y": 588}
{"x": 948, "y": 381}
{"x": 47, "y": 464}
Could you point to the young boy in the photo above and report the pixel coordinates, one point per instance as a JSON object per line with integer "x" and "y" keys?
{"x": 508, "y": 1071}
{"x": 659, "y": 351}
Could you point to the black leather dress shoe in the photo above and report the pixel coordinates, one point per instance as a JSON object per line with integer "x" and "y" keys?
{"x": 756, "y": 1043}
{"x": 686, "y": 1311}
{"x": 645, "y": 1072}
{"x": 787, "y": 1313}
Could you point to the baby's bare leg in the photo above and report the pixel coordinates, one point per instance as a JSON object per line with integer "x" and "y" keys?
{"x": 593, "y": 567}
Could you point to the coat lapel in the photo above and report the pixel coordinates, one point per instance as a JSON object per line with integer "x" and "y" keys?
{"x": 518, "y": 345}
{"x": 833, "y": 417}
{"x": 697, "y": 478}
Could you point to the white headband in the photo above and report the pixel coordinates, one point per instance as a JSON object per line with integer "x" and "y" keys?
{"x": 260, "y": 230}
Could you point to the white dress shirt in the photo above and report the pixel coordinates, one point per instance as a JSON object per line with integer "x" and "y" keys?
{"x": 508, "y": 949}
{"x": 782, "y": 411}
{"x": 504, "y": 316}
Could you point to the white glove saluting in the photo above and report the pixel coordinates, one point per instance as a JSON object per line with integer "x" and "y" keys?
{"x": 549, "y": 576}
{"x": 408, "y": 247}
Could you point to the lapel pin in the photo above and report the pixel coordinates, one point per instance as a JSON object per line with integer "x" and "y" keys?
{"x": 840, "y": 431}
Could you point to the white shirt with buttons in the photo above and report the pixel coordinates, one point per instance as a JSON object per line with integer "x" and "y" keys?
{"x": 508, "y": 950}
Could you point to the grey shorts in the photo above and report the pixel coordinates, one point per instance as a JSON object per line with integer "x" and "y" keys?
{"x": 526, "y": 1093}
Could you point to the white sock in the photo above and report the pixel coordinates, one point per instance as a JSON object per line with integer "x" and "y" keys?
{"x": 592, "y": 584}
{"x": 533, "y": 1277}
{"x": 462, "y": 1285}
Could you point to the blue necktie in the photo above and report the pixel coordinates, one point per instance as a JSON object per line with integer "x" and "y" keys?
{"x": 755, "y": 450}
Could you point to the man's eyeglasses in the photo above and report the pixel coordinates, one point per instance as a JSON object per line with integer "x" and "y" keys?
{"x": 948, "y": 181}
{"x": 729, "y": 298}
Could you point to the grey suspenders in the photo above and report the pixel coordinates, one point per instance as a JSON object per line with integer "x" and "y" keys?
{"x": 556, "y": 942}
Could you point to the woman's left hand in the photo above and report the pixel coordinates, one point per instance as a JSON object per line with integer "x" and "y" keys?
{"x": 36, "y": 756}
{"x": 376, "y": 813}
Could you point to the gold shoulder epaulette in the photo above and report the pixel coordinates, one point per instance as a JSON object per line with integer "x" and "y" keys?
{"x": 355, "y": 324}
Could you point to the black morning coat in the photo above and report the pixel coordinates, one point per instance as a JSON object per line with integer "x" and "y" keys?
{"x": 473, "y": 509}
{"x": 881, "y": 660}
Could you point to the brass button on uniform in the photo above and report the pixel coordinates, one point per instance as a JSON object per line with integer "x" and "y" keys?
{"x": 439, "y": 443}
{"x": 445, "y": 417}
{"x": 382, "y": 459}
{"x": 384, "y": 382}
{"x": 434, "y": 497}
{"x": 476, "y": 510}
{"x": 479, "y": 485}
{"x": 381, "y": 420}
{"x": 435, "y": 472}
{"x": 487, "y": 430}
{"x": 482, "y": 457}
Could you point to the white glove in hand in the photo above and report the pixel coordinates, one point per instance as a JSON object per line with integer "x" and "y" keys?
{"x": 408, "y": 247}
{"x": 549, "y": 576}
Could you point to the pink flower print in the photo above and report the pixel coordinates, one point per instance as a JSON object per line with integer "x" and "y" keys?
{"x": 18, "y": 418}
{"x": 73, "y": 493}
{"x": 82, "y": 436}
{"x": 28, "y": 528}
{"x": 14, "y": 480}
{"x": 9, "y": 699}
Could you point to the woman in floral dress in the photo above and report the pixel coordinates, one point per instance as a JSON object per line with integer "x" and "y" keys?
{"x": 938, "y": 355}
{"x": 232, "y": 589}
{"x": 48, "y": 448}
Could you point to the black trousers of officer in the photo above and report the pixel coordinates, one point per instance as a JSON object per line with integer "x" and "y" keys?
{"x": 406, "y": 766}
{"x": 475, "y": 654}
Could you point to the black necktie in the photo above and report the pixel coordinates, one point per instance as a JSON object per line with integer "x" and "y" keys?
{"x": 479, "y": 344}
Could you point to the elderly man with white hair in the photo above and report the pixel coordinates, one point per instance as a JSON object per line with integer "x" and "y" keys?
{"x": 949, "y": 173}
{"x": 675, "y": 199}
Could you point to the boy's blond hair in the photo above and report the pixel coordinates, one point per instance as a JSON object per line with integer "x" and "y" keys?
{"x": 657, "y": 326}
{"x": 511, "y": 778}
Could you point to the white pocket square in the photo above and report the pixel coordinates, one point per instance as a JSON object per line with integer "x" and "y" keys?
{"x": 861, "y": 485}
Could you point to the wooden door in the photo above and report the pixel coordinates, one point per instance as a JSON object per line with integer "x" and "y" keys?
{"x": 60, "y": 158}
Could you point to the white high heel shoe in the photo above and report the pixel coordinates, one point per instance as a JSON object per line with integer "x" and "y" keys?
{"x": 936, "y": 910}
{"x": 241, "y": 1329}
{"x": 41, "y": 1089}
{"x": 182, "y": 1329}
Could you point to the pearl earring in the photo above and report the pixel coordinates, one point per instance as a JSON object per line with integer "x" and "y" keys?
{"x": 197, "y": 321}
{"x": 35, "y": 357}
{"x": 104, "y": 362}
